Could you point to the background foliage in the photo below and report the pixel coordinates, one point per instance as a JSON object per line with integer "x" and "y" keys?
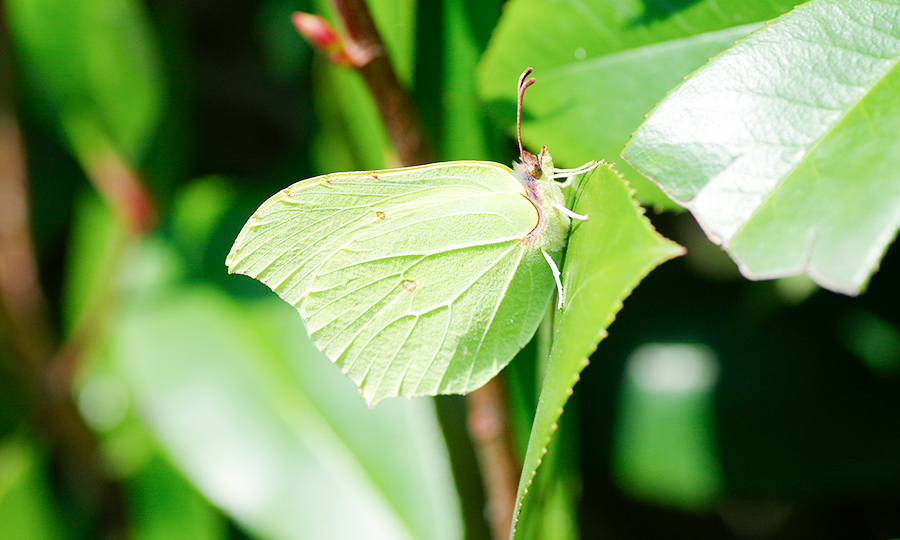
{"x": 716, "y": 408}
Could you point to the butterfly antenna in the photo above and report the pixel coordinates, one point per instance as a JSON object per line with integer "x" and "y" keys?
{"x": 523, "y": 84}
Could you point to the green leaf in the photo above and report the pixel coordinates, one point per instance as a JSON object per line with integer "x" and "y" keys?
{"x": 664, "y": 444}
{"x": 96, "y": 241}
{"x": 26, "y": 504}
{"x": 350, "y": 135}
{"x": 606, "y": 258}
{"x": 785, "y": 146}
{"x": 272, "y": 433}
{"x": 95, "y": 61}
{"x": 465, "y": 133}
{"x": 163, "y": 506}
{"x": 601, "y": 65}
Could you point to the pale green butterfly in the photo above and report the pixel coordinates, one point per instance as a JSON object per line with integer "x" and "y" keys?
{"x": 417, "y": 281}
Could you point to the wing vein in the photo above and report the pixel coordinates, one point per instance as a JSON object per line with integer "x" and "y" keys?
{"x": 487, "y": 328}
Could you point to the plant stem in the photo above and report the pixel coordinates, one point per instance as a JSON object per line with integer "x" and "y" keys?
{"x": 489, "y": 430}
{"x": 487, "y": 409}
{"x": 396, "y": 106}
{"x": 39, "y": 366}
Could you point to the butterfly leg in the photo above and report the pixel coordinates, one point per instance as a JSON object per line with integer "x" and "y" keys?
{"x": 569, "y": 174}
{"x": 567, "y": 182}
{"x": 571, "y": 214}
{"x": 559, "y": 288}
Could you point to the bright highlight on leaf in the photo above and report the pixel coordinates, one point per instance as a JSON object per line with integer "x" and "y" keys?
{"x": 778, "y": 143}
{"x": 417, "y": 281}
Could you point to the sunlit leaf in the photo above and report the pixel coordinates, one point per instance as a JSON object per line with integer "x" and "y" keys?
{"x": 785, "y": 146}
{"x": 601, "y": 65}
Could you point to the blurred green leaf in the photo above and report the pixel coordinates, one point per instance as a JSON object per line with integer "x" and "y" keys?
{"x": 351, "y": 136}
{"x": 163, "y": 506}
{"x": 607, "y": 256}
{"x": 96, "y": 65}
{"x": 197, "y": 210}
{"x": 784, "y": 147}
{"x": 601, "y": 65}
{"x": 464, "y": 130}
{"x": 873, "y": 340}
{"x": 26, "y": 506}
{"x": 96, "y": 238}
{"x": 664, "y": 444}
{"x": 289, "y": 454}
{"x": 396, "y": 22}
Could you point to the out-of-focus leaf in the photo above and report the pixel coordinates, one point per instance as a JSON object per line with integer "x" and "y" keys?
{"x": 785, "y": 146}
{"x": 665, "y": 436}
{"x": 289, "y": 454}
{"x": 464, "y": 131}
{"x": 873, "y": 340}
{"x": 607, "y": 256}
{"x": 197, "y": 210}
{"x": 601, "y": 65}
{"x": 163, "y": 506}
{"x": 95, "y": 63}
{"x": 96, "y": 238}
{"x": 351, "y": 135}
{"x": 26, "y": 507}
{"x": 396, "y": 22}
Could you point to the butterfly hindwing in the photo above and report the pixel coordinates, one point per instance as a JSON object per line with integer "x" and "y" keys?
{"x": 415, "y": 281}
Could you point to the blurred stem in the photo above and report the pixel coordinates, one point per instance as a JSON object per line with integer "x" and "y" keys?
{"x": 488, "y": 423}
{"x": 489, "y": 430}
{"x": 366, "y": 50}
{"x": 23, "y": 304}
{"x": 24, "y": 313}
{"x": 39, "y": 366}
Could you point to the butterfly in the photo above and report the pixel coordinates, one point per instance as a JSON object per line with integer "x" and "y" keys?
{"x": 422, "y": 280}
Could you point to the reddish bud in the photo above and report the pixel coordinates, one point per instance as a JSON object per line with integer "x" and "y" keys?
{"x": 321, "y": 35}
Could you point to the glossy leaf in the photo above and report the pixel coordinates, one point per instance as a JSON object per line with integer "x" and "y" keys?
{"x": 601, "y": 65}
{"x": 784, "y": 147}
{"x": 607, "y": 256}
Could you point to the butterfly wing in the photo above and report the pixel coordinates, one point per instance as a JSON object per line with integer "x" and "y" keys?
{"x": 414, "y": 281}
